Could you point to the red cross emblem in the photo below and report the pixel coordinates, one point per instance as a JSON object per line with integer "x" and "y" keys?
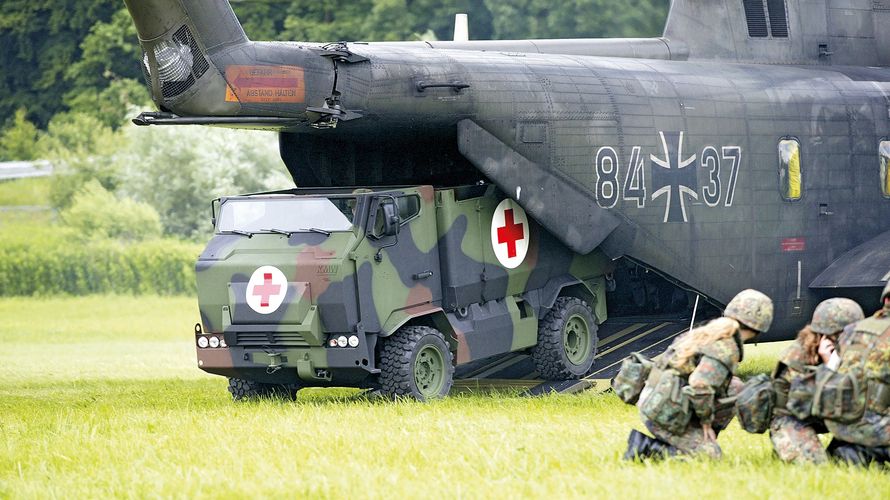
{"x": 509, "y": 233}
{"x": 266, "y": 290}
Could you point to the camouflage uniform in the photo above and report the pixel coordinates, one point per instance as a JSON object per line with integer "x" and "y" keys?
{"x": 796, "y": 440}
{"x": 707, "y": 376}
{"x": 873, "y": 430}
{"x": 709, "y": 379}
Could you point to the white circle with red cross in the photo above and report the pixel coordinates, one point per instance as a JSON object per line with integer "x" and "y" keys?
{"x": 509, "y": 234}
{"x": 266, "y": 290}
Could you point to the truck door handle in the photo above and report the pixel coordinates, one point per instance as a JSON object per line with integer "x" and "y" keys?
{"x": 422, "y": 276}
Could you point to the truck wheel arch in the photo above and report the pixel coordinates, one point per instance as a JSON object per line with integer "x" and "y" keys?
{"x": 592, "y": 291}
{"x": 427, "y": 315}
{"x": 414, "y": 315}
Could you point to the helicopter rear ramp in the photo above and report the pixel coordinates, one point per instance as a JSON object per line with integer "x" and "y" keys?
{"x": 618, "y": 338}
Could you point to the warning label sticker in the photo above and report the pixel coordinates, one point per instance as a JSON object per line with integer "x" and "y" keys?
{"x": 265, "y": 84}
{"x": 794, "y": 245}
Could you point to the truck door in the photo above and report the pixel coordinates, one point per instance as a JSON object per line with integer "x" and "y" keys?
{"x": 403, "y": 270}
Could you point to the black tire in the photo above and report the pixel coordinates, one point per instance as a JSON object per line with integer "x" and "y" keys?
{"x": 242, "y": 389}
{"x": 400, "y": 373}
{"x": 552, "y": 356}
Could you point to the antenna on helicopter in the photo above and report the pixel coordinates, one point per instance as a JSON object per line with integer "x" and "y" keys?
{"x": 461, "y": 28}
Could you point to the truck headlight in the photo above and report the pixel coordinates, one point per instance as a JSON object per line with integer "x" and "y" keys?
{"x": 203, "y": 342}
{"x": 214, "y": 342}
{"x": 342, "y": 341}
{"x": 353, "y": 341}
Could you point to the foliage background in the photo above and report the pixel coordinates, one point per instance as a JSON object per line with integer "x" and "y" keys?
{"x": 127, "y": 208}
{"x": 83, "y": 55}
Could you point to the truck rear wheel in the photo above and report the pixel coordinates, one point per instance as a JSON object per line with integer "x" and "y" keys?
{"x": 566, "y": 340}
{"x": 242, "y": 389}
{"x": 416, "y": 362}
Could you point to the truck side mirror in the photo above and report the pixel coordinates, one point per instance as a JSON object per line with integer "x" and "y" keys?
{"x": 214, "y": 209}
{"x": 392, "y": 223}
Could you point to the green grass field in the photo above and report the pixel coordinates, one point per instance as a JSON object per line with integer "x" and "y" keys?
{"x": 100, "y": 396}
{"x": 29, "y": 191}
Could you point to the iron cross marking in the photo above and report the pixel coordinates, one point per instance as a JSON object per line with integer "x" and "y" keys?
{"x": 674, "y": 176}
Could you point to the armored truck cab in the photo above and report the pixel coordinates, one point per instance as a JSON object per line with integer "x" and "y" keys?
{"x": 389, "y": 288}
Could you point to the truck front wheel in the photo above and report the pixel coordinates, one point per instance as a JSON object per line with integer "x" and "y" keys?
{"x": 416, "y": 362}
{"x": 242, "y": 389}
{"x": 566, "y": 340}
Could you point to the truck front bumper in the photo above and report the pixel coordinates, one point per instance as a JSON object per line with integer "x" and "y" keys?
{"x": 284, "y": 357}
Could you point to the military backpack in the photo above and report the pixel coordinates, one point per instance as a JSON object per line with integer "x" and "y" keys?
{"x": 834, "y": 395}
{"x": 663, "y": 400}
{"x": 755, "y": 403}
{"x": 631, "y": 378}
{"x": 667, "y": 404}
{"x": 826, "y": 394}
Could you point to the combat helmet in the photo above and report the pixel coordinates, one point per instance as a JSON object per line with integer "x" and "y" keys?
{"x": 832, "y": 315}
{"x": 752, "y": 309}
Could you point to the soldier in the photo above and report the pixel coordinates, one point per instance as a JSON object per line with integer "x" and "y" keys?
{"x": 796, "y": 440}
{"x": 679, "y": 403}
{"x": 865, "y": 352}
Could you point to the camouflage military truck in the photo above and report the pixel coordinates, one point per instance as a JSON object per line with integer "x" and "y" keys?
{"x": 388, "y": 288}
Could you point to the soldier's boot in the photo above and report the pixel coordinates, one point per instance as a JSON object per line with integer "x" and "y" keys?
{"x": 637, "y": 444}
{"x": 849, "y": 453}
{"x": 640, "y": 447}
{"x": 881, "y": 455}
{"x": 660, "y": 450}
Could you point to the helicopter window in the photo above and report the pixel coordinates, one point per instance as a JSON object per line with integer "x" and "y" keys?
{"x": 790, "y": 175}
{"x": 884, "y": 150}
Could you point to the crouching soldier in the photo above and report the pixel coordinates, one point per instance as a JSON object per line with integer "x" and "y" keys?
{"x": 796, "y": 440}
{"x": 865, "y": 356}
{"x": 679, "y": 402}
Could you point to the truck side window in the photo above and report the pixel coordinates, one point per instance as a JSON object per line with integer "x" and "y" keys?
{"x": 790, "y": 175}
{"x": 884, "y": 152}
{"x": 409, "y": 207}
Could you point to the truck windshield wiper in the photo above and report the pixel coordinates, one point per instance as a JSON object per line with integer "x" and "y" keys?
{"x": 238, "y": 231}
{"x": 316, "y": 230}
{"x": 279, "y": 231}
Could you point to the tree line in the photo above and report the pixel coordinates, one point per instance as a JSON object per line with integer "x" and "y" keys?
{"x": 83, "y": 56}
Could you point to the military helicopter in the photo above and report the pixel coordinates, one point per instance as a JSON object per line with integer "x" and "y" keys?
{"x": 748, "y": 147}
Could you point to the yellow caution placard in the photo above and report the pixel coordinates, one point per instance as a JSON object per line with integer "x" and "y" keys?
{"x": 284, "y": 84}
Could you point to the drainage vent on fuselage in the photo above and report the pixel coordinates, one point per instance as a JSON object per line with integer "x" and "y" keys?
{"x": 756, "y": 18}
{"x": 778, "y": 18}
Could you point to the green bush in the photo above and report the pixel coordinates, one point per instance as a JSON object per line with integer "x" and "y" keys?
{"x": 18, "y": 141}
{"x": 81, "y": 149}
{"x": 164, "y": 267}
{"x": 179, "y": 170}
{"x": 96, "y": 213}
{"x": 33, "y": 191}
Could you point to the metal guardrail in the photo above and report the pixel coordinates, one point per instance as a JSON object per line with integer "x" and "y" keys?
{"x": 22, "y": 169}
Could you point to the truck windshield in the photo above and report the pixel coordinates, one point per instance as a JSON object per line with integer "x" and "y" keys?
{"x": 293, "y": 215}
